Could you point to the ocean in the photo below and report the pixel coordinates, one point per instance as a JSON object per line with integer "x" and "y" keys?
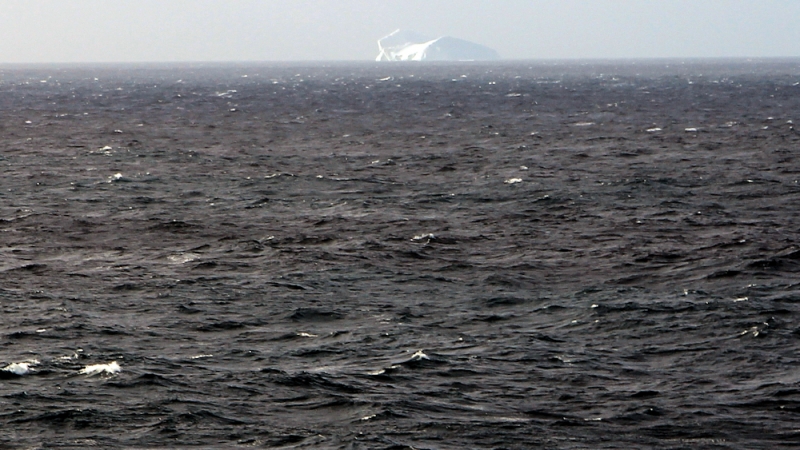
{"x": 508, "y": 255}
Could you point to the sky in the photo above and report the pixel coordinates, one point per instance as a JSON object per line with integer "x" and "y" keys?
{"x": 38, "y": 31}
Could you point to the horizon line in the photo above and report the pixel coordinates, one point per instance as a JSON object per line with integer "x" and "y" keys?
{"x": 411, "y": 63}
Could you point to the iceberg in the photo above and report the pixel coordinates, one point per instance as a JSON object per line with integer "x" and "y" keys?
{"x": 410, "y": 46}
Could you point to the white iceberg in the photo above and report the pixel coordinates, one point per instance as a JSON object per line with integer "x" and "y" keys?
{"x": 410, "y": 46}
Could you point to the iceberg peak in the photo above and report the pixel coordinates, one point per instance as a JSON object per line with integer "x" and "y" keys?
{"x": 403, "y": 45}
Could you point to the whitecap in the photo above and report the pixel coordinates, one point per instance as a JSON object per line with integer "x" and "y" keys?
{"x": 422, "y": 237}
{"x": 691, "y": 130}
{"x": 100, "y": 369}
{"x": 182, "y": 258}
{"x": 419, "y": 356}
{"x": 753, "y": 330}
{"x": 513, "y": 181}
{"x": 20, "y": 368}
{"x": 67, "y": 358}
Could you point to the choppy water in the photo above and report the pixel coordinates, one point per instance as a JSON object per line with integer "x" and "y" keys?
{"x": 583, "y": 255}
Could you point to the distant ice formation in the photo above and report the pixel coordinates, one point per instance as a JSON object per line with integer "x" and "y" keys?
{"x": 410, "y": 46}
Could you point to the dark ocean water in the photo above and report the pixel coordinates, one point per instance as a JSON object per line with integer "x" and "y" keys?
{"x": 509, "y": 256}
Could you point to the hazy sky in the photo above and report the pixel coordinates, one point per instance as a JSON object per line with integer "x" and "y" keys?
{"x": 301, "y": 30}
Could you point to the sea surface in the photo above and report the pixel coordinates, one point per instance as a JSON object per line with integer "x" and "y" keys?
{"x": 565, "y": 255}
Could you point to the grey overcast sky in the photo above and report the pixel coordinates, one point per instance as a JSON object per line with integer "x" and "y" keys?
{"x": 306, "y": 30}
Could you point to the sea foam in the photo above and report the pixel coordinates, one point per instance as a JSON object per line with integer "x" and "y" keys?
{"x": 20, "y": 368}
{"x": 100, "y": 369}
